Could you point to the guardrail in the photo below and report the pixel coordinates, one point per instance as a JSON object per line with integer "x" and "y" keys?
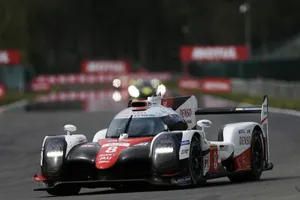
{"x": 274, "y": 88}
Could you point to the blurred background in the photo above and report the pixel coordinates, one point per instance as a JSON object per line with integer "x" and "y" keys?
{"x": 76, "y": 53}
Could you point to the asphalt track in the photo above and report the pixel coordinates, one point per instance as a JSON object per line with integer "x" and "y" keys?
{"x": 21, "y": 136}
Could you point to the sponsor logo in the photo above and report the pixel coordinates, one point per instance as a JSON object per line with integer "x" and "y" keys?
{"x": 116, "y": 145}
{"x": 216, "y": 85}
{"x": 142, "y": 144}
{"x": 214, "y": 53}
{"x": 186, "y": 112}
{"x": 87, "y": 146}
{"x": 105, "y": 157}
{"x": 108, "y": 154}
{"x": 241, "y": 131}
{"x": 103, "y": 161}
{"x": 184, "y": 151}
{"x": 245, "y": 140}
{"x": 4, "y": 57}
{"x": 185, "y": 142}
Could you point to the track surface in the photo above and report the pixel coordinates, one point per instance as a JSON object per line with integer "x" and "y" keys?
{"x": 21, "y": 136}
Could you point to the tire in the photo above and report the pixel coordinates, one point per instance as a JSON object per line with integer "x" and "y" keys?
{"x": 64, "y": 190}
{"x": 257, "y": 160}
{"x": 196, "y": 162}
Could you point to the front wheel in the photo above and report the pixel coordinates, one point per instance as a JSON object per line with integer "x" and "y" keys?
{"x": 196, "y": 162}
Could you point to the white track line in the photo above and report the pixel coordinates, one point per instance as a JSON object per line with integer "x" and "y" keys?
{"x": 16, "y": 104}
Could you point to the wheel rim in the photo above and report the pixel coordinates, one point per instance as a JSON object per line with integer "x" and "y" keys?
{"x": 258, "y": 153}
{"x": 196, "y": 160}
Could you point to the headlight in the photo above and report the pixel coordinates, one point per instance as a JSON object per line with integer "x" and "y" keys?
{"x": 55, "y": 153}
{"x": 117, "y": 96}
{"x": 161, "y": 89}
{"x": 164, "y": 145}
{"x": 162, "y": 150}
{"x": 133, "y": 91}
{"x": 117, "y": 83}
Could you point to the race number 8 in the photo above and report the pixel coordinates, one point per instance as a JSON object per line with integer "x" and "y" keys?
{"x": 111, "y": 149}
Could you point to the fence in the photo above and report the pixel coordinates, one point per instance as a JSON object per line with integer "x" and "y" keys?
{"x": 273, "y": 88}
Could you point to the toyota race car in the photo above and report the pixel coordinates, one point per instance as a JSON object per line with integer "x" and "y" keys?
{"x": 158, "y": 142}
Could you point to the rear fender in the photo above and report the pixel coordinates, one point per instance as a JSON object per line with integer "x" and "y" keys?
{"x": 239, "y": 134}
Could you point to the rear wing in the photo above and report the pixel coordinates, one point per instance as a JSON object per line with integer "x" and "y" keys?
{"x": 263, "y": 110}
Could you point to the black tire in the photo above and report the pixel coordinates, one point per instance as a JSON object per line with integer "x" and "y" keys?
{"x": 196, "y": 162}
{"x": 65, "y": 190}
{"x": 257, "y": 160}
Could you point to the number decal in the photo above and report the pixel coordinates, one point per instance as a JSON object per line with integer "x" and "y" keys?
{"x": 111, "y": 149}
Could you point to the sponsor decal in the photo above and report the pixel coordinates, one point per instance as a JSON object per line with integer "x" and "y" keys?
{"x": 143, "y": 115}
{"x": 186, "y": 112}
{"x": 245, "y": 140}
{"x": 108, "y": 154}
{"x": 223, "y": 148}
{"x": 185, "y": 142}
{"x": 185, "y": 151}
{"x": 87, "y": 146}
{"x": 116, "y": 145}
{"x": 103, "y": 161}
{"x": 142, "y": 144}
{"x": 105, "y": 157}
{"x": 241, "y": 131}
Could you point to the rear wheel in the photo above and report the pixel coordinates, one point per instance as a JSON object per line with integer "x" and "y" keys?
{"x": 196, "y": 162}
{"x": 257, "y": 160}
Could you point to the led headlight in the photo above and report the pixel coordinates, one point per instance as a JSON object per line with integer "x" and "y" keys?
{"x": 165, "y": 145}
{"x": 133, "y": 91}
{"x": 55, "y": 154}
{"x": 117, "y": 96}
{"x": 161, "y": 89}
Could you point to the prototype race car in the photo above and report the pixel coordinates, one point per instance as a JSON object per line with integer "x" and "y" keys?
{"x": 142, "y": 89}
{"x": 158, "y": 142}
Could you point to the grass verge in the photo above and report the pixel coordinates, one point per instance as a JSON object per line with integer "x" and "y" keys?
{"x": 12, "y": 97}
{"x": 257, "y": 100}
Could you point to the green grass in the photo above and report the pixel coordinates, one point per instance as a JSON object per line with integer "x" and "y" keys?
{"x": 257, "y": 100}
{"x": 12, "y": 97}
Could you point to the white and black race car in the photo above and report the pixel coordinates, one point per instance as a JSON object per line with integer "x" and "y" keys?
{"x": 156, "y": 141}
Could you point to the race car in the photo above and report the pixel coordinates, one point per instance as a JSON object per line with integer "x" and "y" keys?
{"x": 142, "y": 89}
{"x": 158, "y": 142}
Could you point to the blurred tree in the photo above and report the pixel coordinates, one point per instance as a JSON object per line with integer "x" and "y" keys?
{"x": 56, "y": 35}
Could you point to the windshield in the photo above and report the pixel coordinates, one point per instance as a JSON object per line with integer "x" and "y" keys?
{"x": 138, "y": 127}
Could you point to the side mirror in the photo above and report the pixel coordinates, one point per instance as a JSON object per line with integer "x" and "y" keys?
{"x": 69, "y": 128}
{"x": 166, "y": 127}
{"x": 204, "y": 123}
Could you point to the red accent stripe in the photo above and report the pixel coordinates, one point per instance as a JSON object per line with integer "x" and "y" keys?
{"x": 262, "y": 121}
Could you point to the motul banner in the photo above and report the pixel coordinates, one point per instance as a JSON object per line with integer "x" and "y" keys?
{"x": 105, "y": 66}
{"x": 10, "y": 57}
{"x": 206, "y": 85}
{"x": 213, "y": 53}
{"x": 36, "y": 86}
{"x": 216, "y": 85}
{"x": 2, "y": 91}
